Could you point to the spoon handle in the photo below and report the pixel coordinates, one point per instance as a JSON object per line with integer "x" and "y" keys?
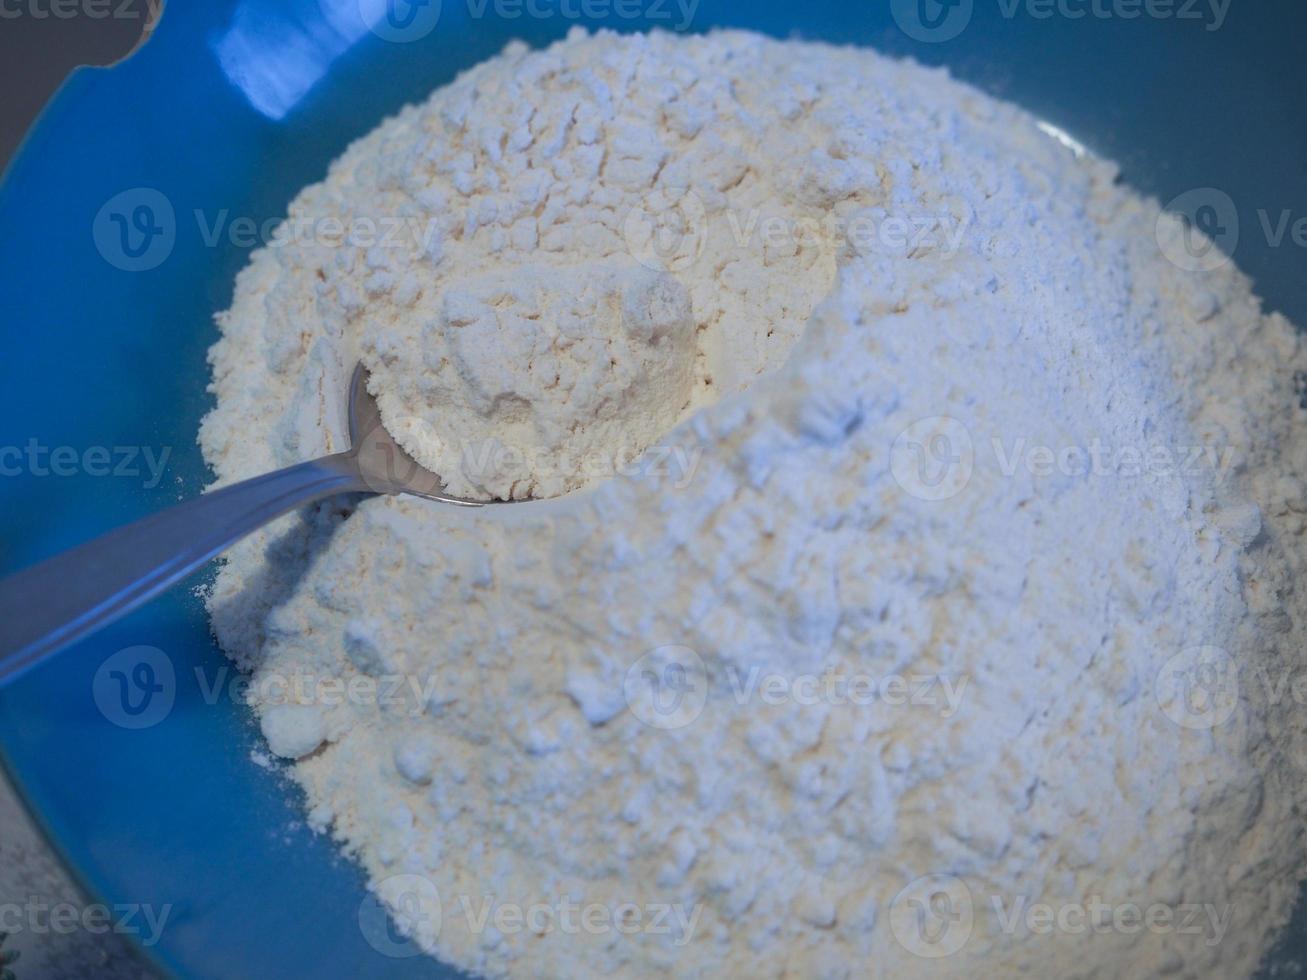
{"x": 64, "y": 598}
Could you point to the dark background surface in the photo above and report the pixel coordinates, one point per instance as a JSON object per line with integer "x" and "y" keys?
{"x": 38, "y": 50}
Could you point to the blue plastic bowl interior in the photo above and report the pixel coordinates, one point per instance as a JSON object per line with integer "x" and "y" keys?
{"x": 229, "y": 110}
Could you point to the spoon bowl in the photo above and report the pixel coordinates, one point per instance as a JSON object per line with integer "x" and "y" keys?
{"x": 384, "y": 465}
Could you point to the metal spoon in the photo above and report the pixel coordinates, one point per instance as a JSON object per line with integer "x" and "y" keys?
{"x": 63, "y": 599}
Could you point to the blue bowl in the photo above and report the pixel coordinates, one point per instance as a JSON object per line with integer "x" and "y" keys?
{"x": 119, "y": 241}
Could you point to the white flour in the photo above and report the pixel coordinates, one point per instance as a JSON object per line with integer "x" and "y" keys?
{"x": 537, "y": 371}
{"x": 973, "y": 614}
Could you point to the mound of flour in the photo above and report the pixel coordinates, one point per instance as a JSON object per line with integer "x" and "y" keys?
{"x": 928, "y": 607}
